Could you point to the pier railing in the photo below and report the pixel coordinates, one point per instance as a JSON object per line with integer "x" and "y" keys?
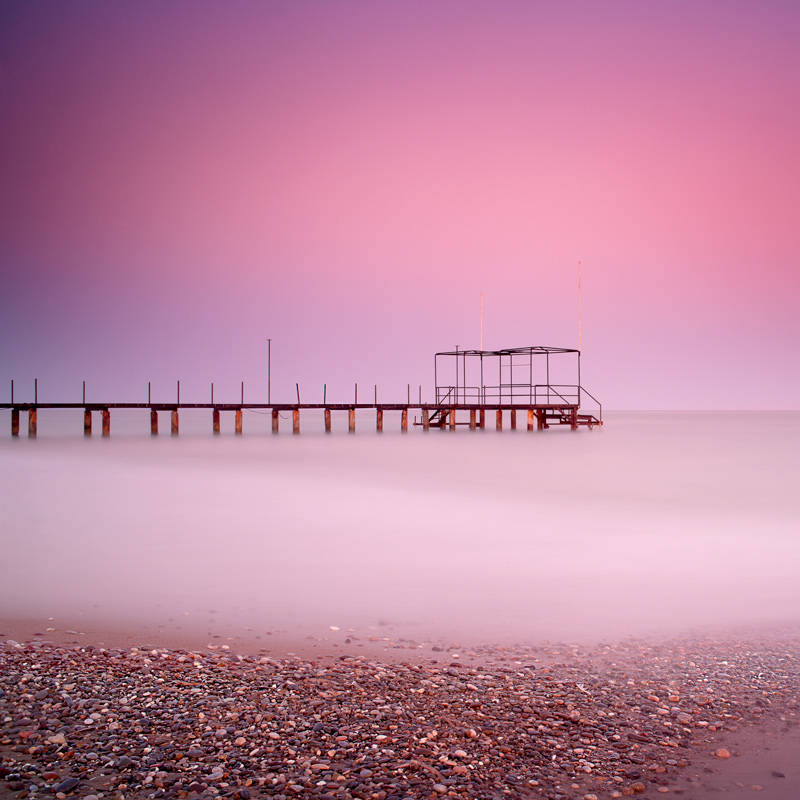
{"x": 524, "y": 394}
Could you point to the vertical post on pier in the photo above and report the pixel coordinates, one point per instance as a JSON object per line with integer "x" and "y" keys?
{"x": 573, "y": 418}
{"x": 513, "y": 419}
{"x": 36, "y": 390}
{"x": 351, "y": 420}
{"x": 327, "y": 420}
{"x": 482, "y": 423}
{"x": 175, "y": 422}
{"x": 238, "y": 423}
{"x": 84, "y": 392}
{"x": 87, "y": 422}
{"x": 153, "y": 422}
{"x": 540, "y": 425}
{"x": 276, "y": 416}
{"x": 148, "y": 392}
{"x": 452, "y": 419}
{"x": 215, "y": 420}
{"x": 379, "y": 420}
{"x": 179, "y": 392}
{"x": 15, "y": 422}
{"x": 296, "y": 420}
{"x": 31, "y": 423}
{"x": 472, "y": 419}
{"x": 426, "y": 422}
{"x": 242, "y": 392}
{"x": 106, "y": 422}
{"x": 404, "y": 420}
{"x": 499, "y": 422}
{"x": 530, "y": 419}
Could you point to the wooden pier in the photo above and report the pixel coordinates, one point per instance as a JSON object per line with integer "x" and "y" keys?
{"x": 458, "y": 403}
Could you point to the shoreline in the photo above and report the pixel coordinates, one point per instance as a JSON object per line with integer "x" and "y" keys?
{"x": 361, "y": 714}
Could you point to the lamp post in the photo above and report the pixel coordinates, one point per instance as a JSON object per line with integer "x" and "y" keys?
{"x": 269, "y": 369}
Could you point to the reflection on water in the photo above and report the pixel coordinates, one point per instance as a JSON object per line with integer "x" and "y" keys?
{"x": 658, "y": 519}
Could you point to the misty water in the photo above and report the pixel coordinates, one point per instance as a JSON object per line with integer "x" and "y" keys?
{"x": 656, "y": 522}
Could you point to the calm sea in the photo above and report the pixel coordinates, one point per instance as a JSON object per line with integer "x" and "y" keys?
{"x": 656, "y": 521}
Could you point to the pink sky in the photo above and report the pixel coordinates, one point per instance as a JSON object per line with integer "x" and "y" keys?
{"x": 179, "y": 182}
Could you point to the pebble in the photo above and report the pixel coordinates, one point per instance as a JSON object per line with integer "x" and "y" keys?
{"x": 543, "y": 720}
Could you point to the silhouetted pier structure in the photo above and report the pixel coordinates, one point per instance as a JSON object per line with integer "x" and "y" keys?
{"x": 512, "y": 381}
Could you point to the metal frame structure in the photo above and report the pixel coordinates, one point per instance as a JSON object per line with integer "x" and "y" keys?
{"x": 516, "y": 376}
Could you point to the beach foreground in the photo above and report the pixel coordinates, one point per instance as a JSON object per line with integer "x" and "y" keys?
{"x": 376, "y": 717}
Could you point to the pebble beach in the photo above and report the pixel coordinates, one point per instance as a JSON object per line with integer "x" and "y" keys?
{"x": 386, "y": 717}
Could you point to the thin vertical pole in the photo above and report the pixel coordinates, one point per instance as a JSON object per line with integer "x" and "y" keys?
{"x": 148, "y": 392}
{"x": 297, "y": 386}
{"x": 84, "y": 392}
{"x": 324, "y": 393}
{"x": 269, "y": 369}
{"x": 212, "y": 393}
{"x": 579, "y": 306}
{"x": 481, "y": 340}
{"x": 409, "y": 394}
{"x": 242, "y": 391}
{"x": 436, "y": 376}
{"x": 456, "y": 374}
{"x": 12, "y": 391}
{"x": 36, "y": 391}
{"x": 376, "y": 394}
{"x": 179, "y": 392}
{"x": 356, "y": 397}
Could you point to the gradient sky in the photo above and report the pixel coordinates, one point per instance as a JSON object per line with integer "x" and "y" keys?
{"x": 180, "y": 181}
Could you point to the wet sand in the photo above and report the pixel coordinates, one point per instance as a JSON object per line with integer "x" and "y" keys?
{"x": 174, "y": 710}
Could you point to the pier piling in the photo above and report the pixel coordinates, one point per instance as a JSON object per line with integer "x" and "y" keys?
{"x": 153, "y": 422}
{"x": 327, "y": 420}
{"x": 379, "y": 420}
{"x": 482, "y": 423}
{"x": 238, "y": 423}
{"x": 31, "y": 423}
{"x": 499, "y": 419}
{"x": 452, "y": 419}
{"x": 513, "y": 419}
{"x": 426, "y": 422}
{"x": 351, "y": 420}
{"x": 87, "y": 422}
{"x": 276, "y": 418}
{"x": 472, "y": 419}
{"x": 174, "y": 427}
{"x": 296, "y": 420}
{"x": 106, "y": 422}
{"x": 15, "y": 422}
{"x": 215, "y": 421}
{"x": 404, "y": 420}
{"x": 530, "y": 419}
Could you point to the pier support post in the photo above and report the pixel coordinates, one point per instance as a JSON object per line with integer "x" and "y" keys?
{"x": 327, "y": 420}
{"x": 215, "y": 421}
{"x": 379, "y": 420}
{"x": 106, "y": 422}
{"x": 499, "y": 419}
{"x": 32, "y": 423}
{"x": 15, "y": 422}
{"x": 513, "y": 419}
{"x": 276, "y": 417}
{"x": 153, "y": 422}
{"x": 87, "y": 422}
{"x": 174, "y": 427}
{"x": 482, "y": 418}
{"x": 530, "y": 419}
{"x": 404, "y": 420}
{"x": 295, "y": 420}
{"x": 351, "y": 420}
{"x": 540, "y": 425}
{"x": 238, "y": 424}
{"x": 573, "y": 418}
{"x": 426, "y": 422}
{"x": 472, "y": 419}
{"x": 452, "y": 419}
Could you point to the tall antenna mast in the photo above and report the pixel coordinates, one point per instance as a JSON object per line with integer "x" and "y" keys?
{"x": 579, "y": 306}
{"x": 481, "y": 340}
